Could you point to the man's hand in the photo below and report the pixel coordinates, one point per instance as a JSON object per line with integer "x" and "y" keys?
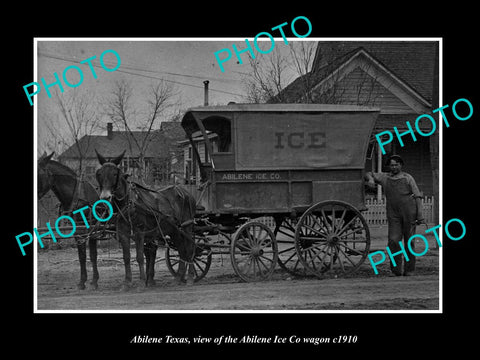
{"x": 420, "y": 220}
{"x": 370, "y": 181}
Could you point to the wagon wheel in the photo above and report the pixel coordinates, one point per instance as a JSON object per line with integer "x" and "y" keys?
{"x": 287, "y": 253}
{"x": 253, "y": 252}
{"x": 332, "y": 238}
{"x": 201, "y": 261}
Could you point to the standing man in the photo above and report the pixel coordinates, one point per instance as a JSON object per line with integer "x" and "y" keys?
{"x": 404, "y": 211}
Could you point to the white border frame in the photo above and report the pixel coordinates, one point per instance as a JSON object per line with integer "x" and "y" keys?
{"x": 35, "y": 209}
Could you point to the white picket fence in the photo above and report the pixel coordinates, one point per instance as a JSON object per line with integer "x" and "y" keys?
{"x": 376, "y": 215}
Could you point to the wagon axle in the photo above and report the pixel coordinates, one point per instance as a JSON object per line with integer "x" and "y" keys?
{"x": 256, "y": 251}
{"x": 332, "y": 239}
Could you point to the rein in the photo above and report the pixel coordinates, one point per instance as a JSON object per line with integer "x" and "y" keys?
{"x": 75, "y": 196}
{"x": 130, "y": 192}
{"x": 127, "y": 208}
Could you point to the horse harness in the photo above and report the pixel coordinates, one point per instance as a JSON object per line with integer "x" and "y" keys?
{"x": 133, "y": 198}
{"x": 79, "y": 199}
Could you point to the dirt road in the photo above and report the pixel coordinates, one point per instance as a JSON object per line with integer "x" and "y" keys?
{"x": 221, "y": 289}
{"x": 420, "y": 292}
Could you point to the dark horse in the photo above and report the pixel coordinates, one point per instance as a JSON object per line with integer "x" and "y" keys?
{"x": 149, "y": 215}
{"x": 73, "y": 194}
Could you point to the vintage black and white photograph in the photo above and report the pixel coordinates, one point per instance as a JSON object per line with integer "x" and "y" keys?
{"x": 233, "y": 175}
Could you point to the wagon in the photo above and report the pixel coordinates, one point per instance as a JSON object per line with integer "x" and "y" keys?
{"x": 299, "y": 165}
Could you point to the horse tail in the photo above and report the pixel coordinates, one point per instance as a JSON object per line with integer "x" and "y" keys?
{"x": 188, "y": 201}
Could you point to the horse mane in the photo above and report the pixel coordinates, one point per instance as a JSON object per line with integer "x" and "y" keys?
{"x": 60, "y": 169}
{"x": 84, "y": 190}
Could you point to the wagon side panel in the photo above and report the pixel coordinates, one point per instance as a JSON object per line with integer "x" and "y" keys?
{"x": 302, "y": 140}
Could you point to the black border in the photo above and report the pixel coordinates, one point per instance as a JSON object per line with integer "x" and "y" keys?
{"x": 397, "y": 332}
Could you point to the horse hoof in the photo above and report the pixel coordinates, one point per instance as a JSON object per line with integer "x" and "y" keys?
{"x": 93, "y": 285}
{"x": 126, "y": 286}
{"x": 81, "y": 286}
{"x": 150, "y": 283}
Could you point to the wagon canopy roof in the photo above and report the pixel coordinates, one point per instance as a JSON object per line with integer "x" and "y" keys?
{"x": 286, "y": 136}
{"x": 190, "y": 126}
{"x": 282, "y": 107}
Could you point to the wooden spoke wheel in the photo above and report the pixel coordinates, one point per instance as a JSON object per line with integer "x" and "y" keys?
{"x": 201, "y": 261}
{"x": 332, "y": 239}
{"x": 287, "y": 253}
{"x": 253, "y": 252}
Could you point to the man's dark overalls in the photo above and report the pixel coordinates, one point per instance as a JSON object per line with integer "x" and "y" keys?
{"x": 401, "y": 216}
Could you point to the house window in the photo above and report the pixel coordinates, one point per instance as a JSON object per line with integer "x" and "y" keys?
{"x": 160, "y": 171}
{"x": 127, "y": 164}
{"x": 189, "y": 173}
{"x": 90, "y": 170}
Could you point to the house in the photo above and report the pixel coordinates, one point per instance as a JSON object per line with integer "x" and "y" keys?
{"x": 191, "y": 172}
{"x": 154, "y": 165}
{"x": 396, "y": 76}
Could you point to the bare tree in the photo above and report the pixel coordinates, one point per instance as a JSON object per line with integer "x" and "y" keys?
{"x": 139, "y": 124}
{"x": 119, "y": 106}
{"x": 78, "y": 110}
{"x": 53, "y": 140}
{"x": 271, "y": 74}
{"x": 267, "y": 78}
{"x": 303, "y": 54}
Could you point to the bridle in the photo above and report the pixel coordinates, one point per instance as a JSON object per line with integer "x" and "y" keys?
{"x": 47, "y": 175}
{"x": 116, "y": 184}
{"x": 115, "y": 187}
{"x": 126, "y": 208}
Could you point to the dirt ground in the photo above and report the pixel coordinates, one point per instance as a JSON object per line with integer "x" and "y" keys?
{"x": 222, "y": 289}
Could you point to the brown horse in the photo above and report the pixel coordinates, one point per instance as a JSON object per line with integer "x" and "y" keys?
{"x": 149, "y": 215}
{"x": 73, "y": 194}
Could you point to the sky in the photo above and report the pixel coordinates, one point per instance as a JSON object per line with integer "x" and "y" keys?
{"x": 184, "y": 63}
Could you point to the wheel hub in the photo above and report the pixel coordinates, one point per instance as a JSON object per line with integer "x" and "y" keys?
{"x": 256, "y": 251}
{"x": 332, "y": 239}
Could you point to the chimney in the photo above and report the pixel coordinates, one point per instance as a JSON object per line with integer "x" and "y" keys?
{"x": 109, "y": 131}
{"x": 205, "y": 101}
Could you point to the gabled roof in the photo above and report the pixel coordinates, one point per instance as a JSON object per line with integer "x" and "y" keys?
{"x": 172, "y": 130}
{"x": 159, "y": 144}
{"x": 409, "y": 63}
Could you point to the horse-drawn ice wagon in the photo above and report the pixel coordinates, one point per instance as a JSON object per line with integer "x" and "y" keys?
{"x": 300, "y": 164}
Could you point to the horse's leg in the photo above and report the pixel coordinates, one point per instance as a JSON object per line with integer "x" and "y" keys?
{"x": 150, "y": 254}
{"x": 147, "y": 262}
{"x": 186, "y": 251}
{"x": 153, "y": 255}
{"x": 92, "y": 245}
{"x": 181, "y": 264}
{"x": 123, "y": 236}
{"x": 139, "y": 245}
{"x": 190, "y": 254}
{"x": 82, "y": 257}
